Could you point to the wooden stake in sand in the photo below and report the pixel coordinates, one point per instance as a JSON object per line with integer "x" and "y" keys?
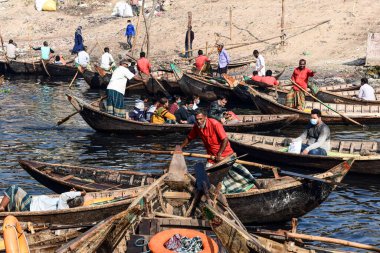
{"x": 230, "y": 23}
{"x": 189, "y": 48}
{"x": 282, "y": 22}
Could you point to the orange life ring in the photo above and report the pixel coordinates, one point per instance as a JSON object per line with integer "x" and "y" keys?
{"x": 156, "y": 244}
{"x": 14, "y": 237}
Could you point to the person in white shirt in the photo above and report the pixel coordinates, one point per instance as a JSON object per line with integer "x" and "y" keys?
{"x": 17, "y": 200}
{"x": 83, "y": 58}
{"x": 116, "y": 89}
{"x": 366, "y": 92}
{"x": 260, "y": 63}
{"x": 11, "y": 48}
{"x": 107, "y": 60}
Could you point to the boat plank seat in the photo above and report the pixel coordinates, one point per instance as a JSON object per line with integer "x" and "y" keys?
{"x": 65, "y": 178}
{"x": 177, "y": 195}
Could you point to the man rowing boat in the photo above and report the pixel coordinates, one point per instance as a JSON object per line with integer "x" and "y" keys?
{"x": 216, "y": 142}
{"x": 296, "y": 97}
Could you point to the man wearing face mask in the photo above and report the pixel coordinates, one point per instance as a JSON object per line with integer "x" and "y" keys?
{"x": 317, "y": 134}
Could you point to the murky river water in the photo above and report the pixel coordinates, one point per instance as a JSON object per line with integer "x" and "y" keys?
{"x": 29, "y": 110}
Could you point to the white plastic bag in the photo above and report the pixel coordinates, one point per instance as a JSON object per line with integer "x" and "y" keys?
{"x": 295, "y": 147}
{"x": 39, "y": 4}
{"x": 122, "y": 9}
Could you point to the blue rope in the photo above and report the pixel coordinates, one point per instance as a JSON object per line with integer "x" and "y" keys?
{"x": 144, "y": 243}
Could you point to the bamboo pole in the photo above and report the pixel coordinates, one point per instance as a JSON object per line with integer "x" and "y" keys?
{"x": 331, "y": 240}
{"x": 189, "y": 46}
{"x": 137, "y": 30}
{"x": 230, "y": 23}
{"x": 282, "y": 22}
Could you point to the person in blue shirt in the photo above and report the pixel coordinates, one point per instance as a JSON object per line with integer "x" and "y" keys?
{"x": 130, "y": 32}
{"x": 78, "y": 40}
{"x": 138, "y": 112}
{"x": 45, "y": 51}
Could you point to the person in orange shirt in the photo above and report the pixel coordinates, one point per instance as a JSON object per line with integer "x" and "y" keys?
{"x": 269, "y": 79}
{"x": 296, "y": 97}
{"x": 144, "y": 66}
{"x": 200, "y": 60}
{"x": 255, "y": 76}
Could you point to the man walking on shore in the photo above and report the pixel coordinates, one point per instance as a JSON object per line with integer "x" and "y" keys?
{"x": 130, "y": 32}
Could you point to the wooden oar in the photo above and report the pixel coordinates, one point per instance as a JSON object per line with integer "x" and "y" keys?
{"x": 257, "y": 165}
{"x": 74, "y": 113}
{"x": 72, "y": 81}
{"x": 317, "y": 238}
{"x": 44, "y": 65}
{"x": 166, "y": 93}
{"x": 328, "y": 107}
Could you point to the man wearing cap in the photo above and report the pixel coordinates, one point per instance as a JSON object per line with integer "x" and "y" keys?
{"x": 224, "y": 59}
{"x": 116, "y": 89}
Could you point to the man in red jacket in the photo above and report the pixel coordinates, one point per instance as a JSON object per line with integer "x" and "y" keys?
{"x": 296, "y": 97}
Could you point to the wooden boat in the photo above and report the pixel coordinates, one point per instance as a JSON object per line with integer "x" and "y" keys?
{"x": 55, "y": 70}
{"x": 365, "y": 114}
{"x": 62, "y": 178}
{"x": 261, "y": 204}
{"x": 45, "y": 241}
{"x": 206, "y": 89}
{"x": 104, "y": 122}
{"x": 272, "y": 150}
{"x": 94, "y": 79}
{"x": 332, "y": 97}
{"x": 173, "y": 201}
{"x": 352, "y": 93}
{"x": 18, "y": 67}
{"x": 235, "y": 64}
{"x": 284, "y": 198}
{"x": 97, "y": 207}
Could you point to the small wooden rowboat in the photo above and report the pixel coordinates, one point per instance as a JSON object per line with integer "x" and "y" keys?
{"x": 332, "y": 97}
{"x": 62, "y": 178}
{"x": 21, "y": 67}
{"x": 273, "y": 150}
{"x": 365, "y": 114}
{"x": 55, "y": 70}
{"x": 104, "y": 122}
{"x": 97, "y": 207}
{"x": 206, "y": 89}
{"x": 261, "y": 204}
{"x": 352, "y": 93}
{"x": 167, "y": 79}
{"x": 173, "y": 201}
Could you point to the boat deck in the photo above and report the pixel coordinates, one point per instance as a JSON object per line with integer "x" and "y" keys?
{"x": 149, "y": 227}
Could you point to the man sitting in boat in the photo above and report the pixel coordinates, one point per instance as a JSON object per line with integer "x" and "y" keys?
{"x": 138, "y": 112}
{"x": 11, "y": 50}
{"x": 151, "y": 109}
{"x": 217, "y": 109}
{"x": 317, "y": 134}
{"x": 255, "y": 76}
{"x": 366, "y": 91}
{"x": 46, "y": 51}
{"x": 59, "y": 60}
{"x": 202, "y": 63}
{"x": 107, "y": 62}
{"x": 217, "y": 145}
{"x": 162, "y": 115}
{"x": 17, "y": 200}
{"x": 269, "y": 79}
{"x": 183, "y": 115}
{"x": 83, "y": 59}
{"x": 116, "y": 89}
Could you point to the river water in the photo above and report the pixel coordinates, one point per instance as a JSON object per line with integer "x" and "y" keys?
{"x": 30, "y": 108}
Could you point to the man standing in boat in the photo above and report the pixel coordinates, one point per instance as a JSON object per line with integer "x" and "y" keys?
{"x": 116, "y": 89}
{"x": 317, "y": 134}
{"x": 46, "y": 51}
{"x": 260, "y": 63}
{"x": 366, "y": 91}
{"x": 224, "y": 59}
{"x": 296, "y": 97}
{"x": 216, "y": 142}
